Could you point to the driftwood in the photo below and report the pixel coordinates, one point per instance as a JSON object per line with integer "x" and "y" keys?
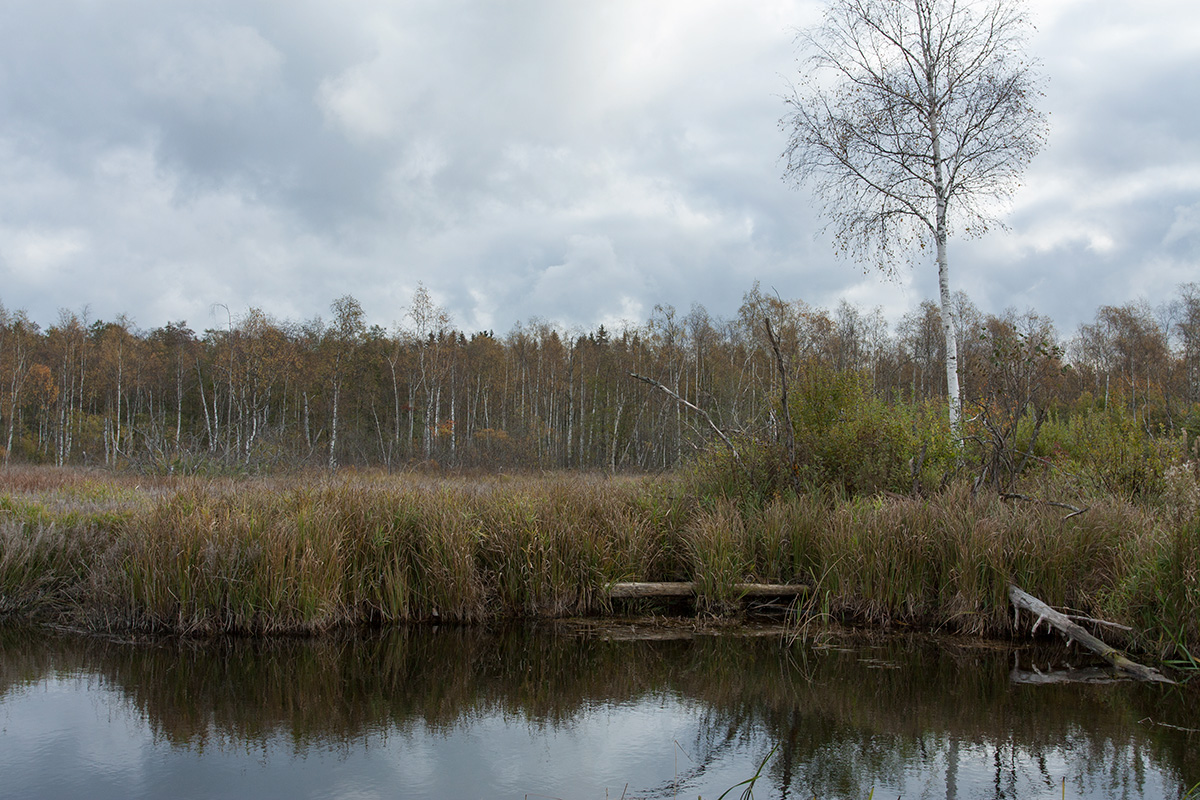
{"x": 1037, "y": 677}
{"x": 632, "y": 591}
{"x": 1074, "y": 633}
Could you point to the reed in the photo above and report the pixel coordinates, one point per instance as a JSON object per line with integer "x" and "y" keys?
{"x": 722, "y": 555}
{"x": 265, "y": 557}
{"x": 947, "y": 561}
{"x": 309, "y": 553}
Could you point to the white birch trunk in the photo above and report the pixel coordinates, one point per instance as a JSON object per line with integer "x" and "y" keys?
{"x": 953, "y": 393}
{"x": 940, "y": 235}
{"x": 117, "y": 429}
{"x": 178, "y": 407}
{"x": 337, "y": 391}
{"x": 307, "y": 426}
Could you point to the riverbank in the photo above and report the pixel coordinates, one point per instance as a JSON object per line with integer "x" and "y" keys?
{"x": 309, "y": 553}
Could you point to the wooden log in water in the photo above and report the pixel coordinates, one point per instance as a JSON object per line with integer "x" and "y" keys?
{"x": 1086, "y": 675}
{"x": 632, "y": 591}
{"x": 1022, "y": 600}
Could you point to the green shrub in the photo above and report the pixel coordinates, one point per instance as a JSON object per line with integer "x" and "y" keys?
{"x": 1111, "y": 451}
{"x": 848, "y": 437}
{"x": 758, "y": 473}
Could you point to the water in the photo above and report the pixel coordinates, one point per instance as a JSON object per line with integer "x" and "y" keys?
{"x": 566, "y": 712}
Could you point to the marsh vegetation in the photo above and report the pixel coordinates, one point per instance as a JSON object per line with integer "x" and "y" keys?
{"x": 309, "y": 553}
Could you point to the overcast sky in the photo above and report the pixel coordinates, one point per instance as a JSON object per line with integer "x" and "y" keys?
{"x": 578, "y": 162}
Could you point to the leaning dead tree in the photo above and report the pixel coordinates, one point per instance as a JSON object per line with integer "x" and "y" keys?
{"x": 693, "y": 407}
{"x": 1023, "y": 601}
{"x": 789, "y": 432}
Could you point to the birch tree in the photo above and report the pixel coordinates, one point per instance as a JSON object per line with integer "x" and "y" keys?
{"x": 429, "y": 323}
{"x": 17, "y": 336}
{"x": 915, "y": 118}
{"x": 346, "y": 333}
{"x": 1187, "y": 330}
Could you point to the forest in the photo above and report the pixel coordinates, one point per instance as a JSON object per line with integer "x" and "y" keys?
{"x": 261, "y": 394}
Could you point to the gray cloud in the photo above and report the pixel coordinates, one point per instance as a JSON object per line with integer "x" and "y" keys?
{"x": 574, "y": 162}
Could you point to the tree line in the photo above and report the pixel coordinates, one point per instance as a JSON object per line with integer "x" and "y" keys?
{"x": 261, "y": 393}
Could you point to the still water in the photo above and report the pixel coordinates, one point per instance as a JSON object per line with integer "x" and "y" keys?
{"x": 567, "y": 711}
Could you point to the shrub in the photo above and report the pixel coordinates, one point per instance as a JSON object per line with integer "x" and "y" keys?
{"x": 1111, "y": 451}
{"x": 848, "y": 437}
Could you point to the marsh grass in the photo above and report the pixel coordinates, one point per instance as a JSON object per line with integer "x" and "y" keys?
{"x": 37, "y": 564}
{"x": 263, "y": 557}
{"x": 311, "y": 553}
{"x": 722, "y": 555}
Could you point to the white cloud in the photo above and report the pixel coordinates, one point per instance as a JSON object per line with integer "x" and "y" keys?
{"x": 1186, "y": 225}
{"x": 357, "y": 103}
{"x": 36, "y": 254}
{"x": 572, "y": 161}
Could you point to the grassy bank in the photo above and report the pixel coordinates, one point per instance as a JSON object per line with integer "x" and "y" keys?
{"x": 310, "y": 553}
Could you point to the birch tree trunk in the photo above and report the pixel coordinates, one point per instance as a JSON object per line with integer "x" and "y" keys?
{"x": 333, "y": 431}
{"x": 949, "y": 327}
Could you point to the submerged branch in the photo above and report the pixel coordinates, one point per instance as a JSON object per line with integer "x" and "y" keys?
{"x": 1168, "y": 725}
{"x": 1074, "y": 633}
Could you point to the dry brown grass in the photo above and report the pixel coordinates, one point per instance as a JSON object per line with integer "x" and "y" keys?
{"x": 313, "y": 552}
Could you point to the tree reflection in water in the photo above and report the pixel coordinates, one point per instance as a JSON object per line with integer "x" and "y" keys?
{"x": 920, "y": 716}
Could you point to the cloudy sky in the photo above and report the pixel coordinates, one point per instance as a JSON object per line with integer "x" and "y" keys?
{"x": 577, "y": 162}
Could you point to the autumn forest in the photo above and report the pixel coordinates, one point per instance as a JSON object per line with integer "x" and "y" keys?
{"x": 259, "y": 393}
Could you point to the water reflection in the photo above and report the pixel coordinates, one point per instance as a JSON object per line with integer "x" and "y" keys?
{"x": 558, "y": 711}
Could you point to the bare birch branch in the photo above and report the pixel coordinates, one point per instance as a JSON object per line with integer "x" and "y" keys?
{"x": 695, "y": 408}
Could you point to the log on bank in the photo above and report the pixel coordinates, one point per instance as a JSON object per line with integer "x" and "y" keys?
{"x": 633, "y": 591}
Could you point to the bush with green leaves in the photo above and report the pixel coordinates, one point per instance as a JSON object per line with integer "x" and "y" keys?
{"x": 1109, "y": 451}
{"x": 848, "y": 437}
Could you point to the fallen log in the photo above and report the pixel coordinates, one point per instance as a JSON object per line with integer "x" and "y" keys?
{"x": 1022, "y": 600}
{"x": 635, "y": 590}
{"x": 1086, "y": 675}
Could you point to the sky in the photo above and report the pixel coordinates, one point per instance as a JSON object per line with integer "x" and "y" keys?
{"x": 576, "y": 162}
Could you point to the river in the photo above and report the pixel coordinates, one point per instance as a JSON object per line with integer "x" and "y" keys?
{"x": 581, "y": 711}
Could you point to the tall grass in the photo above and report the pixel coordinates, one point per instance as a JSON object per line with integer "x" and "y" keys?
{"x": 1160, "y": 588}
{"x": 722, "y": 554}
{"x": 37, "y": 564}
{"x": 270, "y": 556}
{"x": 311, "y": 553}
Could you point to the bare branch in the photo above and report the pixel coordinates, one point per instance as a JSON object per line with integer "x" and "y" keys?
{"x": 1075, "y": 511}
{"x": 695, "y": 408}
